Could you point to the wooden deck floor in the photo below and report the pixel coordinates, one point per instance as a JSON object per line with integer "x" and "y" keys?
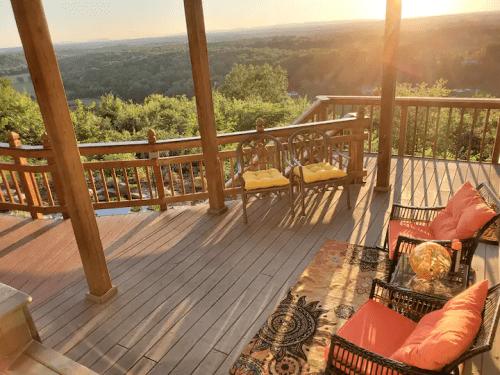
{"x": 194, "y": 288}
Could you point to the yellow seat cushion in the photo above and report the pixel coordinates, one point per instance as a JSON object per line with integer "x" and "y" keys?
{"x": 319, "y": 172}
{"x": 264, "y": 178}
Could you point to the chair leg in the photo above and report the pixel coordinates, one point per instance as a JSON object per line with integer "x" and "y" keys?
{"x": 291, "y": 201}
{"x": 348, "y": 195}
{"x": 244, "y": 201}
{"x": 303, "y": 198}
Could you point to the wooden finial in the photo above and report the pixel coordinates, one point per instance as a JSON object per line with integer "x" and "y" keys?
{"x": 14, "y": 139}
{"x": 151, "y": 136}
{"x": 361, "y": 112}
{"x": 260, "y": 125}
{"x": 45, "y": 140}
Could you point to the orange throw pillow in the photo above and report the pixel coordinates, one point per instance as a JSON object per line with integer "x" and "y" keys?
{"x": 444, "y": 335}
{"x": 473, "y": 218}
{"x": 465, "y": 214}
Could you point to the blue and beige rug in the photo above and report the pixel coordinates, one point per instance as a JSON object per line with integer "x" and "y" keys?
{"x": 332, "y": 287}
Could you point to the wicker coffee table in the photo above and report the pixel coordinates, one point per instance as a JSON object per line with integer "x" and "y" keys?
{"x": 447, "y": 287}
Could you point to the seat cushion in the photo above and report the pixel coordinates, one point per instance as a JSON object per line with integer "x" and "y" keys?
{"x": 444, "y": 335}
{"x": 397, "y": 228}
{"x": 319, "y": 172}
{"x": 377, "y": 328}
{"x": 264, "y": 178}
{"x": 465, "y": 213}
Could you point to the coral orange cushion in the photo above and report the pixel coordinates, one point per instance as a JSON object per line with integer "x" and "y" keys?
{"x": 464, "y": 215}
{"x": 397, "y": 228}
{"x": 473, "y": 218}
{"x": 319, "y": 172}
{"x": 264, "y": 178}
{"x": 444, "y": 335}
{"x": 377, "y": 328}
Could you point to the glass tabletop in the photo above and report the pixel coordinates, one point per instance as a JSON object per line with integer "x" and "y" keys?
{"x": 447, "y": 287}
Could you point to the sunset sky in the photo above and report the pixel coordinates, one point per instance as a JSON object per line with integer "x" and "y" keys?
{"x": 83, "y": 20}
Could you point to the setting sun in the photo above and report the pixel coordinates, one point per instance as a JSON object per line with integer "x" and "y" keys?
{"x": 414, "y": 8}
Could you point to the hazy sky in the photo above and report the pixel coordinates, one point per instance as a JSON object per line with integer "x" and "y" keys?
{"x": 81, "y": 20}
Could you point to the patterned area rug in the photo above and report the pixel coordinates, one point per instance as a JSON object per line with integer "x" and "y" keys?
{"x": 332, "y": 287}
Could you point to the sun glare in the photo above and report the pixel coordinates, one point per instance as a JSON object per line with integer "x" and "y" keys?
{"x": 419, "y": 8}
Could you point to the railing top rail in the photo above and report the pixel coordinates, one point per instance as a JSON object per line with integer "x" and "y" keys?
{"x": 480, "y": 103}
{"x": 171, "y": 144}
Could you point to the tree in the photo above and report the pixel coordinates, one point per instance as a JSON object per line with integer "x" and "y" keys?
{"x": 249, "y": 81}
{"x": 20, "y": 114}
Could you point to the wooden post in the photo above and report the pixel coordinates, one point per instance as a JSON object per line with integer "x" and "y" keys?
{"x": 27, "y": 184}
{"x": 323, "y": 111}
{"x": 56, "y": 179}
{"x": 157, "y": 170}
{"x": 389, "y": 73}
{"x": 204, "y": 103}
{"x": 496, "y": 148}
{"x": 42, "y": 63}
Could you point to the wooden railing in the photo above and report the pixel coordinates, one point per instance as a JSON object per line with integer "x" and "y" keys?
{"x": 30, "y": 180}
{"x": 439, "y": 128}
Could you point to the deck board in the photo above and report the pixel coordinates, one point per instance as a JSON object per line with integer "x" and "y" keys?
{"x": 194, "y": 288}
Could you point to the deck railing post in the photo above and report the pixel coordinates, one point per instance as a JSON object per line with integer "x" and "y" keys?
{"x": 204, "y": 104}
{"x": 26, "y": 183}
{"x": 496, "y": 148}
{"x": 389, "y": 75}
{"x": 56, "y": 178}
{"x": 157, "y": 170}
{"x": 49, "y": 89}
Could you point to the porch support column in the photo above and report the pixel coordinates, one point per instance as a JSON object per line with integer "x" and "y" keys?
{"x": 204, "y": 103}
{"x": 44, "y": 70}
{"x": 389, "y": 75}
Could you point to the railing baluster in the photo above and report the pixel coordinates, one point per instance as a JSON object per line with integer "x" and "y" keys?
{"x": 415, "y": 140}
{"x": 436, "y": 133}
{"x": 370, "y": 133}
{"x": 117, "y": 188}
{"x": 47, "y": 186}
{"x": 37, "y": 190}
{"x": 221, "y": 163}
{"x": 474, "y": 120}
{"x": 92, "y": 184}
{"x": 105, "y": 185}
{"x": 148, "y": 177}
{"x": 447, "y": 140}
{"x": 7, "y": 186}
{"x": 2, "y": 198}
{"x": 170, "y": 180}
{"x": 138, "y": 181}
{"x": 191, "y": 175}
{"x": 403, "y": 127}
{"x": 496, "y": 147}
{"x": 458, "y": 138}
{"x": 204, "y": 188}
{"x": 485, "y": 130}
{"x": 181, "y": 179}
{"x": 125, "y": 176}
{"x": 425, "y": 131}
{"x": 16, "y": 185}
{"x": 233, "y": 182}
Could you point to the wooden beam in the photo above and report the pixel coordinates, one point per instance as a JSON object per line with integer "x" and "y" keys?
{"x": 44, "y": 70}
{"x": 389, "y": 75}
{"x": 204, "y": 103}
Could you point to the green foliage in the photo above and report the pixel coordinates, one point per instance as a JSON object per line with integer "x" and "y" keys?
{"x": 20, "y": 114}
{"x": 256, "y": 82}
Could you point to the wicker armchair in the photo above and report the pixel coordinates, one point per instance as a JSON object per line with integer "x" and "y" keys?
{"x": 424, "y": 215}
{"x": 261, "y": 152}
{"x": 309, "y": 146}
{"x": 350, "y": 358}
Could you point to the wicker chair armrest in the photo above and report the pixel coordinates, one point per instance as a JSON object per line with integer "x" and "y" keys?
{"x": 413, "y": 214}
{"x": 347, "y": 357}
{"x": 413, "y": 305}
